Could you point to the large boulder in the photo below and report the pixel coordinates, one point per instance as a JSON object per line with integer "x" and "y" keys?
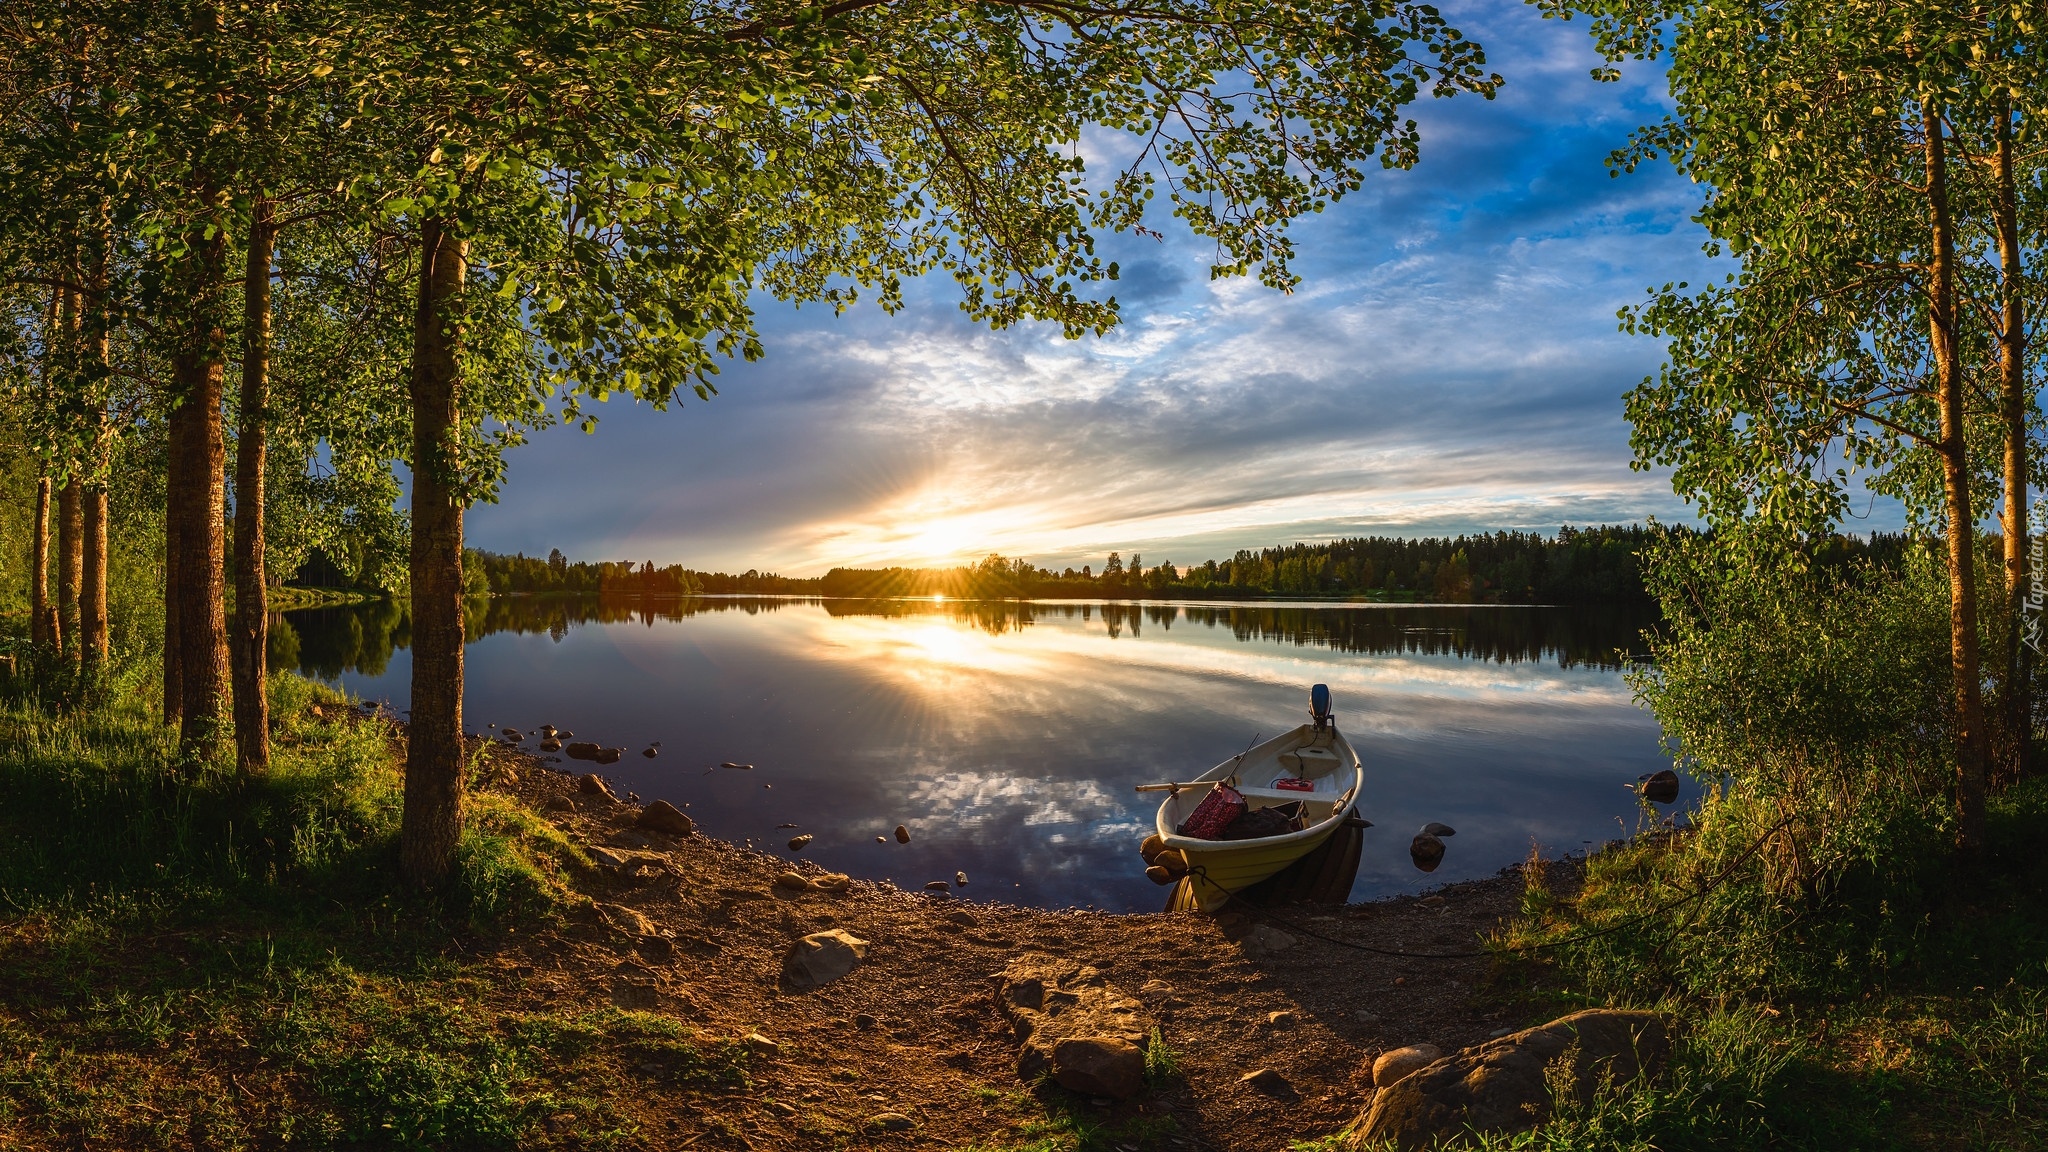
{"x": 1071, "y": 1022}
{"x": 662, "y": 816}
{"x": 1501, "y": 1086}
{"x": 1393, "y": 1067}
{"x": 823, "y": 957}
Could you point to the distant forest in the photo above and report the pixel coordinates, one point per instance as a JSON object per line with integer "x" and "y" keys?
{"x": 494, "y": 573}
{"x": 1575, "y": 566}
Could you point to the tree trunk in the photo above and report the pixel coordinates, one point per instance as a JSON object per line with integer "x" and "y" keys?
{"x": 1960, "y": 528}
{"x": 174, "y": 515}
{"x": 70, "y": 563}
{"x": 42, "y": 624}
{"x": 202, "y": 620}
{"x": 252, "y": 619}
{"x": 92, "y": 602}
{"x": 432, "y": 823}
{"x": 2013, "y": 405}
{"x": 92, "y": 606}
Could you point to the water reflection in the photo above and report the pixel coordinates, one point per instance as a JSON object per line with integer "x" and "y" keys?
{"x": 1573, "y": 637}
{"x": 1009, "y": 735}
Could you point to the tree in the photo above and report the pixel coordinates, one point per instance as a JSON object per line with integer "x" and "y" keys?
{"x": 1826, "y": 136}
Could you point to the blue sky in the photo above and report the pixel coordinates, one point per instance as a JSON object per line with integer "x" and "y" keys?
{"x": 1450, "y": 363}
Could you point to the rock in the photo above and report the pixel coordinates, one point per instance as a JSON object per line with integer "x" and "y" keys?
{"x": 551, "y": 745}
{"x": 1433, "y": 828}
{"x": 581, "y": 750}
{"x": 962, "y": 917}
{"x": 1152, "y": 847}
{"x": 794, "y": 881}
{"x": 662, "y": 816}
{"x": 796, "y": 843}
{"x": 1282, "y": 1019}
{"x": 563, "y": 735}
{"x": 1159, "y": 875}
{"x": 761, "y": 1045}
{"x": 1173, "y": 860}
{"x": 590, "y": 785}
{"x": 1099, "y": 1066}
{"x": 1501, "y": 1085}
{"x": 609, "y": 755}
{"x": 1268, "y": 1081}
{"x": 1051, "y": 1003}
{"x": 1155, "y": 988}
{"x": 937, "y": 886}
{"x": 650, "y": 753}
{"x": 1393, "y": 1066}
{"x": 547, "y": 731}
{"x": 512, "y": 734}
{"x": 1659, "y": 787}
{"x": 902, "y": 834}
{"x": 960, "y": 879}
{"x": 823, "y": 957}
{"x": 888, "y": 1122}
{"x": 1265, "y": 940}
{"x": 881, "y": 839}
{"x": 607, "y": 857}
{"x": 1427, "y": 851}
{"x": 634, "y": 993}
{"x": 832, "y": 882}
{"x": 864, "y": 1021}
{"x": 740, "y": 767}
{"x": 627, "y": 920}
{"x": 559, "y": 804}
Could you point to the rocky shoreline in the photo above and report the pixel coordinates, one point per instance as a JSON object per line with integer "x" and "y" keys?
{"x": 1269, "y": 1024}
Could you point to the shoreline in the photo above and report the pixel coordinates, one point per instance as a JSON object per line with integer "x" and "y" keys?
{"x": 697, "y": 927}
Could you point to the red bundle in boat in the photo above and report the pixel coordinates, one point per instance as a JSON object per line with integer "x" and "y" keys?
{"x": 1286, "y": 784}
{"x": 1207, "y": 822}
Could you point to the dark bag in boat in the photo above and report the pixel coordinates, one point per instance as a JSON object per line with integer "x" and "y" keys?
{"x": 1215, "y": 813}
{"x": 1278, "y": 820}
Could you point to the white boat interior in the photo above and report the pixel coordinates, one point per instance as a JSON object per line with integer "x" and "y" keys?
{"x": 1316, "y": 757}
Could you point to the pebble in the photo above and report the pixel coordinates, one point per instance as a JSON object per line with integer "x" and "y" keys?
{"x": 1282, "y": 1019}
{"x": 782, "y": 826}
{"x": 960, "y": 878}
{"x": 649, "y": 753}
{"x": 1497, "y": 1033}
{"x": 1400, "y": 980}
{"x": 796, "y": 843}
{"x": 512, "y": 734}
{"x": 1265, "y": 1080}
{"x": 1433, "y": 828}
{"x": 937, "y": 886}
{"x": 760, "y": 1045}
{"x": 863, "y": 1021}
{"x": 730, "y": 764}
{"x": 793, "y": 880}
{"x": 889, "y": 1122}
{"x": 832, "y": 882}
{"x": 881, "y": 839}
{"x": 902, "y": 834}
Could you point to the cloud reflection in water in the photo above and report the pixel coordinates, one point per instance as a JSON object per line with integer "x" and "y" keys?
{"x": 1009, "y": 737}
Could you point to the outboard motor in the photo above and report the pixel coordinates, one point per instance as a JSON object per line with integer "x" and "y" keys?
{"x": 1319, "y": 706}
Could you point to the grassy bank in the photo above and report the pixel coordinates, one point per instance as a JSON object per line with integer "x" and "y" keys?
{"x": 1904, "y": 1008}
{"x": 194, "y": 961}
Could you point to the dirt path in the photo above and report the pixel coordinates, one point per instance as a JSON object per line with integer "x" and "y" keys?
{"x": 914, "y": 1030}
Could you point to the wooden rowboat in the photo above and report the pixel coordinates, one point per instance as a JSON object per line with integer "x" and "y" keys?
{"x": 1316, "y": 754}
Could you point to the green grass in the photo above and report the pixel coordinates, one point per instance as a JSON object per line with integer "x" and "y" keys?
{"x": 1902, "y": 1016}
{"x": 192, "y": 959}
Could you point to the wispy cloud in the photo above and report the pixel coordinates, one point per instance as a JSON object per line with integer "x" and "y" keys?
{"x": 1450, "y": 364}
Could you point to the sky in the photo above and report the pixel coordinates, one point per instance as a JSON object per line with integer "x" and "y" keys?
{"x": 1449, "y": 364}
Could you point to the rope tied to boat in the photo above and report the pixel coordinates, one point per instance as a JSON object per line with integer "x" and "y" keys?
{"x": 1578, "y": 937}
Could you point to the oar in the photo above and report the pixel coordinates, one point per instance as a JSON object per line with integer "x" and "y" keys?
{"x": 1173, "y": 787}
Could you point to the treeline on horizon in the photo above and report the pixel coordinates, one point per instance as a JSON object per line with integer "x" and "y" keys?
{"x": 1598, "y": 565}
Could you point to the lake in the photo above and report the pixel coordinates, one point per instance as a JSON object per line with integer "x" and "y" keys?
{"x": 1009, "y": 736}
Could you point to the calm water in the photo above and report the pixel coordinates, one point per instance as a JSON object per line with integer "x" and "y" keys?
{"x": 1009, "y": 736}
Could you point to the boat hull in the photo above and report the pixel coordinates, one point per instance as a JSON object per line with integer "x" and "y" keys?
{"x": 1215, "y": 876}
{"x": 1219, "y": 869}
